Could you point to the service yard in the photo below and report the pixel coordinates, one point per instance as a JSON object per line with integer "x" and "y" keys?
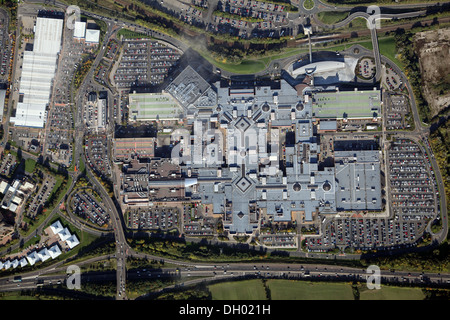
{"x": 433, "y": 48}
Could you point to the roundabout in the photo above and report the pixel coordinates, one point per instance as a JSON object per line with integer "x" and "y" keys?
{"x": 308, "y": 4}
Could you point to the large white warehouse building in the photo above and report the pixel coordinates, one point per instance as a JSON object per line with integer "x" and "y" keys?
{"x": 38, "y": 70}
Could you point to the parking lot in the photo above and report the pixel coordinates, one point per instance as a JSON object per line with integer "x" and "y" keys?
{"x": 87, "y": 207}
{"x": 8, "y": 164}
{"x": 101, "y": 73}
{"x": 195, "y": 223}
{"x": 163, "y": 218}
{"x": 60, "y": 122}
{"x": 412, "y": 185}
{"x": 391, "y": 79}
{"x": 398, "y": 115}
{"x": 39, "y": 199}
{"x": 59, "y": 146}
{"x": 97, "y": 154}
{"x": 366, "y": 68}
{"x": 144, "y": 62}
{"x": 5, "y": 47}
{"x": 287, "y": 240}
{"x": 26, "y": 138}
{"x": 368, "y": 233}
{"x": 112, "y": 48}
{"x": 61, "y": 117}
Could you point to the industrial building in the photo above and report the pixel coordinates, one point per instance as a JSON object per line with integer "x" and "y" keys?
{"x": 86, "y": 31}
{"x": 2, "y": 102}
{"x": 79, "y": 31}
{"x": 92, "y": 36}
{"x": 14, "y": 194}
{"x": 38, "y": 70}
{"x": 327, "y": 126}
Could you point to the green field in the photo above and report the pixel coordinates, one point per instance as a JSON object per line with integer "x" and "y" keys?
{"x": 302, "y": 290}
{"x": 244, "y": 67}
{"x": 389, "y": 50}
{"x": 308, "y": 290}
{"x": 332, "y": 17}
{"x": 30, "y": 164}
{"x": 238, "y": 290}
{"x": 392, "y": 293}
{"x": 249, "y": 66}
{"x": 129, "y": 34}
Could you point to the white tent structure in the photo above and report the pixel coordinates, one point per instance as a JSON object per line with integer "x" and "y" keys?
{"x": 23, "y": 262}
{"x": 44, "y": 255}
{"x": 72, "y": 241}
{"x": 7, "y": 265}
{"x": 32, "y": 258}
{"x": 56, "y": 227}
{"x": 15, "y": 263}
{"x": 1, "y": 265}
{"x": 64, "y": 234}
{"x": 54, "y": 251}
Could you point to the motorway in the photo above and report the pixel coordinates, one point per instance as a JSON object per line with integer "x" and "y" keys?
{"x": 122, "y": 248}
{"x": 188, "y": 273}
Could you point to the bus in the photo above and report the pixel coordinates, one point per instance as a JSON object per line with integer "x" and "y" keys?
{"x": 17, "y": 279}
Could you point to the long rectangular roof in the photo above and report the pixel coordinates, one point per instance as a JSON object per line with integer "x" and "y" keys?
{"x": 38, "y": 70}
{"x": 25, "y": 120}
{"x": 347, "y": 104}
{"x": 48, "y": 35}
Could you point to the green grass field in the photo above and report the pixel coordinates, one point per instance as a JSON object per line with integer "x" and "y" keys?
{"x": 302, "y": 290}
{"x": 129, "y": 34}
{"x": 238, "y": 290}
{"x": 392, "y": 293}
{"x": 30, "y": 164}
{"x": 387, "y": 48}
{"x": 332, "y": 17}
{"x": 307, "y": 290}
{"x": 244, "y": 67}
